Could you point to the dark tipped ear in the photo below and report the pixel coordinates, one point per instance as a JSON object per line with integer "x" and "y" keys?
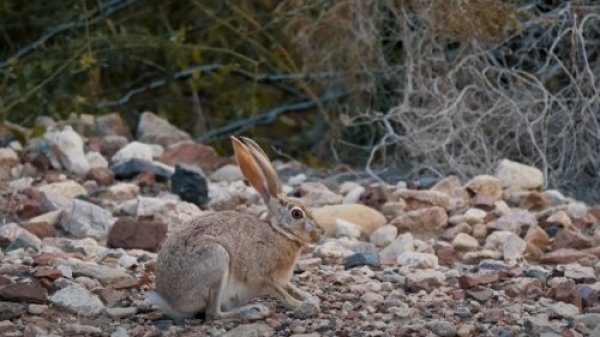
{"x": 250, "y": 168}
{"x": 263, "y": 161}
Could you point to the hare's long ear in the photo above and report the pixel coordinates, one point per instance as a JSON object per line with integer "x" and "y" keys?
{"x": 263, "y": 161}
{"x": 250, "y": 168}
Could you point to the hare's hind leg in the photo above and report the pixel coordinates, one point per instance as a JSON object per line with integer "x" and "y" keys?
{"x": 218, "y": 288}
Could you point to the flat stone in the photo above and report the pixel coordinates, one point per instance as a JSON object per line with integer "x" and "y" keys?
{"x": 417, "y": 260}
{"x": 518, "y": 176}
{"x": 22, "y": 292}
{"x": 118, "y": 312}
{"x": 362, "y": 259}
{"x": 464, "y": 241}
{"x": 563, "y": 310}
{"x": 425, "y": 279}
{"x": 82, "y": 219}
{"x": 77, "y": 300}
{"x": 418, "y": 199}
{"x": 9, "y": 310}
{"x": 130, "y": 168}
{"x": 424, "y": 221}
{"x": 251, "y": 330}
{"x": 105, "y": 274}
{"x": 129, "y": 233}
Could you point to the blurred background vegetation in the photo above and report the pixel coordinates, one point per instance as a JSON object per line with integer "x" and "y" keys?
{"x": 415, "y": 88}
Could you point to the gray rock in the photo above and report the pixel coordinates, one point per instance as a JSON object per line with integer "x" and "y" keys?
{"x": 77, "y": 300}
{"x": 81, "y": 329}
{"x": 307, "y": 310}
{"x": 345, "y": 228}
{"x": 362, "y": 259}
{"x": 417, "y": 260}
{"x": 591, "y": 320}
{"x": 111, "y": 125}
{"x": 251, "y": 330}
{"x": 83, "y": 219}
{"x": 105, "y": 274}
{"x": 155, "y": 130}
{"x": 425, "y": 279}
{"x": 190, "y": 184}
{"x": 228, "y": 173}
{"x": 96, "y": 160}
{"x": 119, "y": 312}
{"x": 36, "y": 309}
{"x": 563, "y": 310}
{"x": 518, "y": 176}
{"x": 578, "y": 273}
{"x": 10, "y": 310}
{"x": 133, "y": 150}
{"x": 442, "y": 328}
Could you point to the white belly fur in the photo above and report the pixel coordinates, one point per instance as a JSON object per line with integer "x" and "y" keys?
{"x": 237, "y": 294}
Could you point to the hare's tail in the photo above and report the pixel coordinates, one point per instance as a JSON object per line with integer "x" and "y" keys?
{"x": 156, "y": 299}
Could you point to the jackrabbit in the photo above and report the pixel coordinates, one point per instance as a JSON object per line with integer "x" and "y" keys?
{"x": 220, "y": 262}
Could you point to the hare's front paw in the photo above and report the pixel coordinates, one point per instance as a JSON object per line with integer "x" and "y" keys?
{"x": 255, "y": 311}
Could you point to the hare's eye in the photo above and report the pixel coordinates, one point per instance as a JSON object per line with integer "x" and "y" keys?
{"x": 297, "y": 214}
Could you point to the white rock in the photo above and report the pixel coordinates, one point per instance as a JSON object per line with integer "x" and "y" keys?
{"x": 77, "y": 300}
{"x": 69, "y": 152}
{"x": 105, "y": 274}
{"x": 51, "y": 218}
{"x": 21, "y": 184}
{"x": 96, "y": 160}
{"x": 316, "y": 194}
{"x": 366, "y": 218}
{"x": 417, "y": 260}
{"x": 463, "y": 241}
{"x": 68, "y": 188}
{"x": 224, "y": 196}
{"x": 371, "y": 298}
{"x": 514, "y": 248}
{"x": 81, "y": 219}
{"x": 353, "y": 196}
{"x": 384, "y": 235}
{"x": 332, "y": 251}
{"x": 127, "y": 261}
{"x": 123, "y": 191}
{"x": 402, "y": 243}
{"x": 170, "y": 211}
{"x": 133, "y": 150}
{"x": 37, "y": 309}
{"x": 228, "y": 173}
{"x": 345, "y": 228}
{"x": 119, "y": 332}
{"x": 297, "y": 179}
{"x": 517, "y": 176}
{"x": 578, "y": 272}
{"x": 472, "y": 216}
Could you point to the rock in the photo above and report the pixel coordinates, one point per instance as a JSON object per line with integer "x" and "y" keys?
{"x": 578, "y": 273}
{"x": 110, "y": 145}
{"x": 68, "y": 188}
{"x": 191, "y": 153}
{"x": 118, "y": 312}
{"x": 102, "y": 176}
{"x": 424, "y": 199}
{"x": 105, "y": 274}
{"x": 77, "y": 300}
{"x": 537, "y": 325}
{"x": 81, "y": 330}
{"x": 83, "y": 219}
{"x": 392, "y": 209}
{"x": 478, "y": 256}
{"x": 40, "y": 229}
{"x": 361, "y": 259}
{"x": 567, "y": 255}
{"x": 424, "y": 221}
{"x": 485, "y": 185}
{"x": 111, "y": 125}
{"x": 384, "y": 235}
{"x": 155, "y": 130}
{"x": 560, "y": 218}
{"x": 537, "y": 237}
{"x": 8, "y": 160}
{"x": 22, "y": 292}
{"x": 472, "y": 216}
{"x": 563, "y": 310}
{"x": 480, "y": 294}
{"x": 470, "y": 280}
{"x": 514, "y": 221}
{"x": 223, "y": 196}
{"x": 251, "y": 330}
{"x": 307, "y": 310}
{"x": 371, "y": 298}
{"x": 129, "y": 233}
{"x": 170, "y": 211}
{"x": 96, "y": 160}
{"x": 442, "y": 328}
{"x": 514, "y": 248}
{"x": 316, "y": 194}
{"x": 597, "y": 268}
{"x": 465, "y": 242}
{"x": 451, "y": 186}
{"x": 37, "y": 309}
{"x": 332, "y": 251}
{"x": 67, "y": 145}
{"x": 365, "y": 218}
{"x": 9, "y": 310}
{"x": 12, "y": 232}
{"x": 344, "y": 228}
{"x": 354, "y": 195}
{"x": 589, "y": 320}
{"x": 535, "y": 201}
{"x": 402, "y": 243}
{"x": 122, "y": 191}
{"x": 133, "y": 167}
{"x": 571, "y": 238}
{"x": 417, "y": 260}
{"x": 452, "y": 232}
{"x": 190, "y": 184}
{"x": 134, "y": 150}
{"x": 424, "y": 279}
{"x": 517, "y": 176}
{"x": 228, "y": 173}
